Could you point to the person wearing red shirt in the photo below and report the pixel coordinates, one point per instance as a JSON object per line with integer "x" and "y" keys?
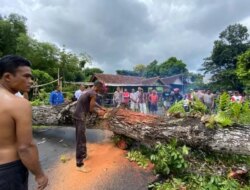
{"x": 153, "y": 98}
{"x": 126, "y": 97}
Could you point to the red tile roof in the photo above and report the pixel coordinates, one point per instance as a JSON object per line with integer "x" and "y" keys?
{"x": 110, "y": 79}
{"x": 118, "y": 79}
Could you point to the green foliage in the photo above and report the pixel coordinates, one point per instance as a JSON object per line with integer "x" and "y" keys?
{"x": 37, "y": 102}
{"x": 42, "y": 99}
{"x": 229, "y": 113}
{"x": 199, "y": 182}
{"x": 138, "y": 157}
{"x": 152, "y": 69}
{"x": 11, "y": 28}
{"x": 46, "y": 57}
{"x": 196, "y": 81}
{"x": 169, "y": 158}
{"x": 170, "y": 184}
{"x": 42, "y": 77}
{"x": 223, "y": 120}
{"x": 223, "y": 101}
{"x": 177, "y": 107}
{"x": 68, "y": 95}
{"x": 126, "y": 72}
{"x": 89, "y": 72}
{"x": 212, "y": 158}
{"x": 198, "y": 106}
{"x": 171, "y": 67}
{"x": 243, "y": 69}
{"x": 140, "y": 69}
{"x": 233, "y": 41}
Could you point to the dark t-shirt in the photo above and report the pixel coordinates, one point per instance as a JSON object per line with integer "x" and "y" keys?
{"x": 177, "y": 97}
{"x": 83, "y": 104}
{"x": 166, "y": 96}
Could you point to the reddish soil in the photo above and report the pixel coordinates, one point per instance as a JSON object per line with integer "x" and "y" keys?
{"x": 104, "y": 161}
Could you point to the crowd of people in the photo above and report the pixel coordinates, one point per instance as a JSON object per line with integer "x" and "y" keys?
{"x": 147, "y": 102}
{"x": 210, "y": 99}
{"x": 144, "y": 102}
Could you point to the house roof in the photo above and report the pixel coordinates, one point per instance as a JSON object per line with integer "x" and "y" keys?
{"x": 172, "y": 80}
{"x": 122, "y": 80}
{"x": 117, "y": 79}
{"x": 152, "y": 81}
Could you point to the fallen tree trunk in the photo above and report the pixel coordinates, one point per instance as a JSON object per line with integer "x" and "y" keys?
{"x": 150, "y": 128}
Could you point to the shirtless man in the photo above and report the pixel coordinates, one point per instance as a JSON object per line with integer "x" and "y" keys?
{"x": 18, "y": 153}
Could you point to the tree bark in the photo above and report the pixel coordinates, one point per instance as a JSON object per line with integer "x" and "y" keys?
{"x": 150, "y": 129}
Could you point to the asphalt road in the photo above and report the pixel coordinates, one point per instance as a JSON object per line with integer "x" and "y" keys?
{"x": 54, "y": 142}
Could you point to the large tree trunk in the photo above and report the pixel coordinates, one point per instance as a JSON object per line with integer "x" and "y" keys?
{"x": 150, "y": 128}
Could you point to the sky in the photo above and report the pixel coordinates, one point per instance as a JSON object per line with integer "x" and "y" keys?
{"x": 119, "y": 34}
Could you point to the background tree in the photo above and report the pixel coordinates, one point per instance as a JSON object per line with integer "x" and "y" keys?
{"x": 44, "y": 56}
{"x": 243, "y": 69}
{"x": 11, "y": 28}
{"x": 172, "y": 66}
{"x": 222, "y": 62}
{"x": 89, "y": 72}
{"x": 195, "y": 80}
{"x": 152, "y": 69}
{"x": 127, "y": 73}
{"x": 42, "y": 77}
{"x": 140, "y": 69}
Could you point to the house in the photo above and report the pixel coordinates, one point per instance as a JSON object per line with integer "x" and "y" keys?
{"x": 129, "y": 82}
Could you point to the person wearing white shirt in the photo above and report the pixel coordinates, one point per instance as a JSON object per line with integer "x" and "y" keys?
{"x": 79, "y": 92}
{"x": 134, "y": 100}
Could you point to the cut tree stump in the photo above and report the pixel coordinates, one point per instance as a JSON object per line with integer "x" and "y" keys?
{"x": 150, "y": 129}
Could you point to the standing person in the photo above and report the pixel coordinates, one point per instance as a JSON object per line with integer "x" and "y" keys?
{"x": 80, "y": 91}
{"x": 56, "y": 97}
{"x": 166, "y": 98}
{"x": 148, "y": 99}
{"x": 198, "y": 94}
{"x": 117, "y": 98}
{"x": 133, "y": 100}
{"x": 177, "y": 96}
{"x": 142, "y": 100}
{"x": 84, "y": 107}
{"x": 208, "y": 99}
{"x": 18, "y": 152}
{"x": 153, "y": 98}
{"x": 125, "y": 98}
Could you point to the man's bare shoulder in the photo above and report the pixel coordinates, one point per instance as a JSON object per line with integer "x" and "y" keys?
{"x": 14, "y": 103}
{"x": 21, "y": 103}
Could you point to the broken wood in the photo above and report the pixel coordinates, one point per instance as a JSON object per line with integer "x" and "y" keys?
{"x": 150, "y": 129}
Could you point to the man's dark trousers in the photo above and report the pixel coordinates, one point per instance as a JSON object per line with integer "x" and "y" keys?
{"x": 81, "y": 148}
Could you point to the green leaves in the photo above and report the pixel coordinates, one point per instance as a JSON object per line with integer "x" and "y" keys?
{"x": 243, "y": 69}
{"x": 223, "y": 120}
{"x": 198, "y": 182}
{"x": 223, "y": 59}
{"x": 177, "y": 107}
{"x": 138, "y": 157}
{"x": 169, "y": 158}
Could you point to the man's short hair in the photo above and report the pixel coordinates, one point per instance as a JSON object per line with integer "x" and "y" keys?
{"x": 9, "y": 64}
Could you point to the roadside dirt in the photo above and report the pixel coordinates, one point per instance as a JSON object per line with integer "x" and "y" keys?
{"x": 106, "y": 163}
